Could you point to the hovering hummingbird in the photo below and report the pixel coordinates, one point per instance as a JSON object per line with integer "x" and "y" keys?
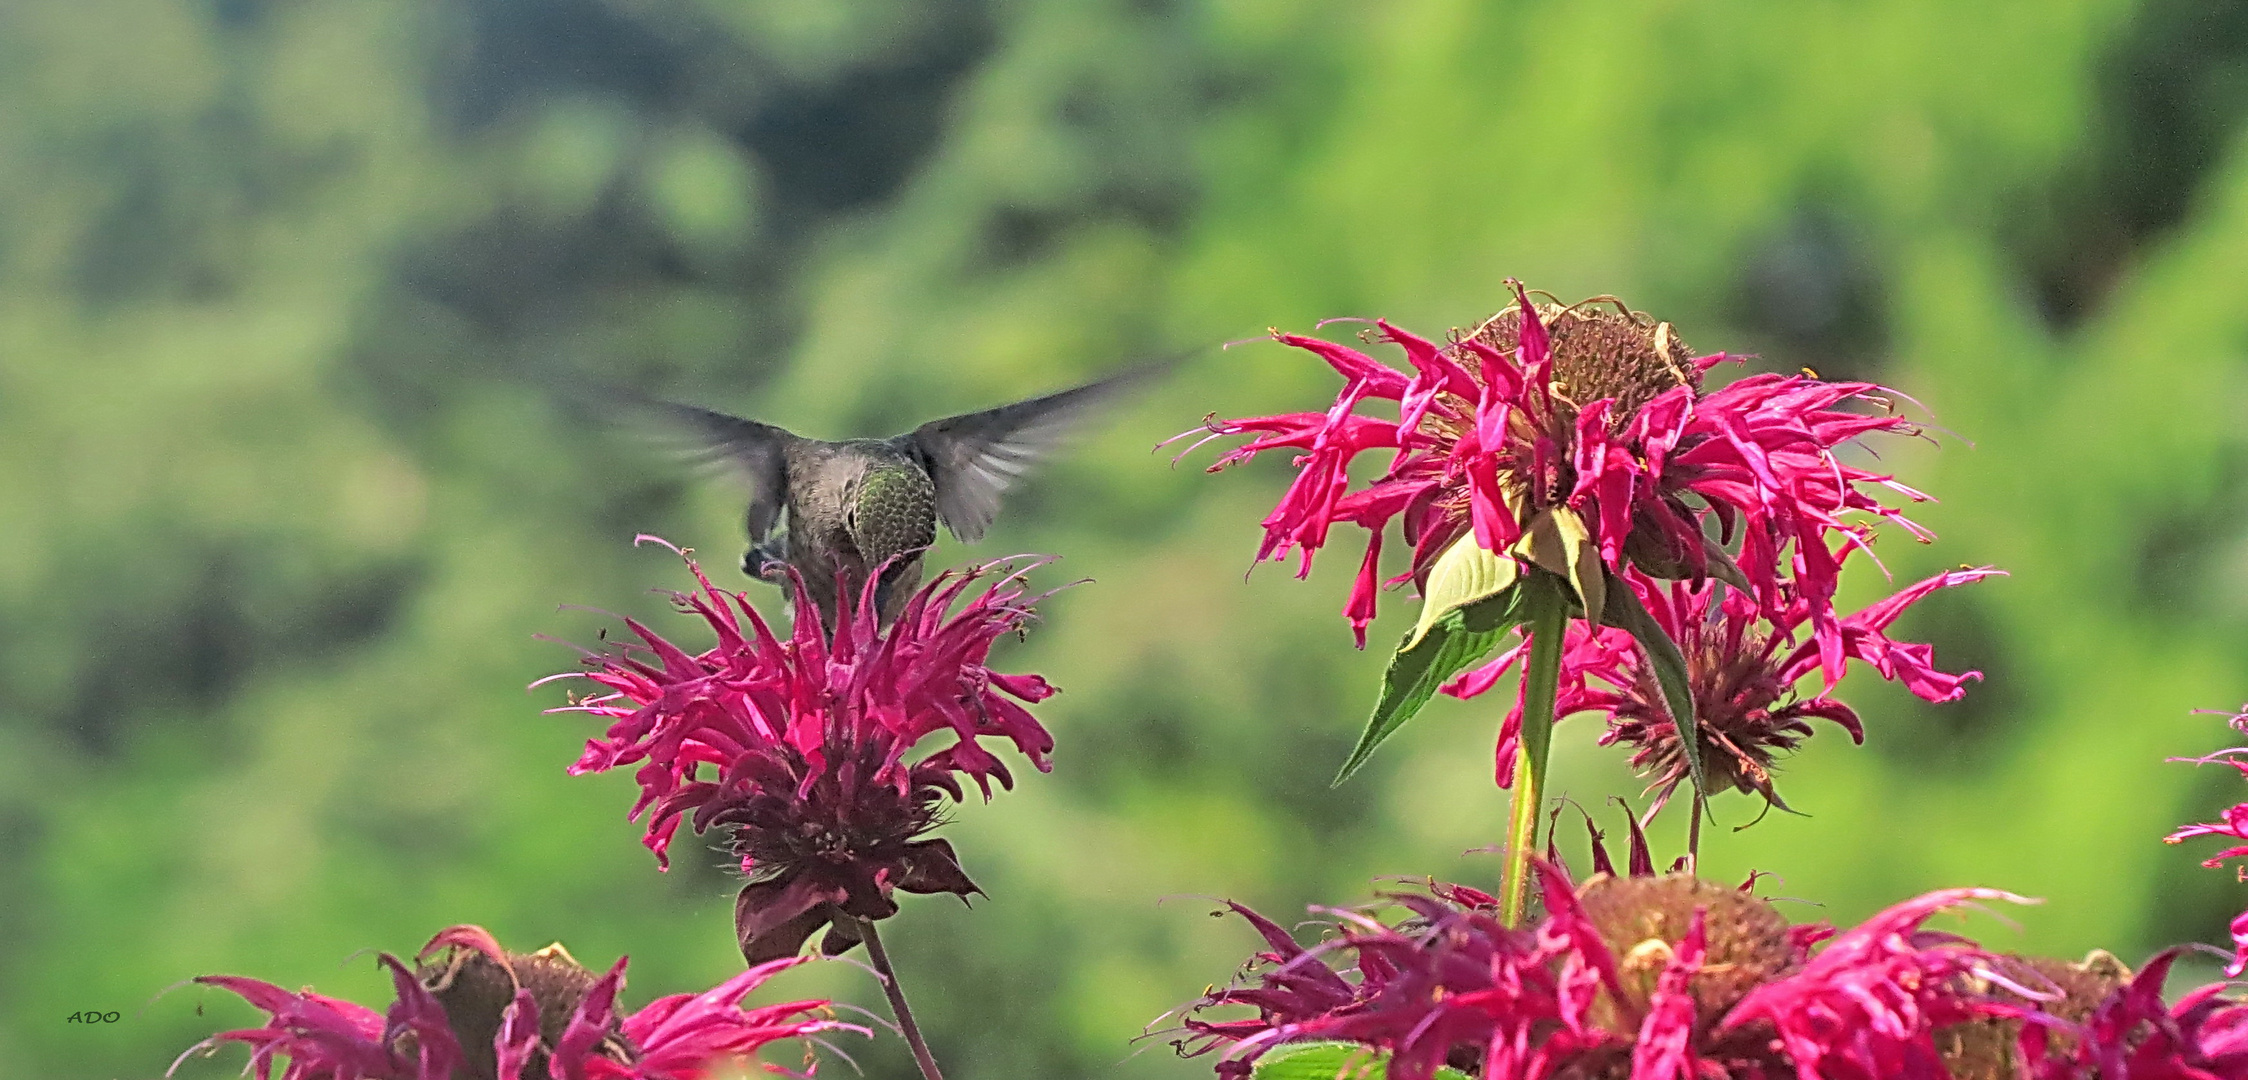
{"x": 851, "y": 507}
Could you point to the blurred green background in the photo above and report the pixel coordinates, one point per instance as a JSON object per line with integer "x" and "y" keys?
{"x": 282, "y": 283}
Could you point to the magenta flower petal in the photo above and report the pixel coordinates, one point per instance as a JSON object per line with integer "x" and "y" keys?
{"x": 320, "y": 1036}
{"x": 1665, "y": 1050}
{"x": 2233, "y": 824}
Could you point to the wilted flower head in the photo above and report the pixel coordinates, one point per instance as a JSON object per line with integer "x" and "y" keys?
{"x": 472, "y": 1011}
{"x": 1743, "y": 666}
{"x": 800, "y": 746}
{"x": 1547, "y": 410}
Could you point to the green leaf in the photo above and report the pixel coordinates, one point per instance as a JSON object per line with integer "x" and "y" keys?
{"x": 1558, "y": 541}
{"x": 1321, "y": 1061}
{"x": 1455, "y": 640}
{"x": 1331, "y": 1061}
{"x": 1465, "y": 573}
{"x": 1625, "y": 612}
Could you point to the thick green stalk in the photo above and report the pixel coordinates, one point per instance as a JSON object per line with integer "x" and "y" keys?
{"x": 1549, "y": 619}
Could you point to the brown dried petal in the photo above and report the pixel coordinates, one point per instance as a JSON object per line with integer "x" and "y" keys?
{"x": 773, "y": 918}
{"x": 932, "y": 867}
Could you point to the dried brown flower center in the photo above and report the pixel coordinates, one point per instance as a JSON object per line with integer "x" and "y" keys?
{"x": 1642, "y": 920}
{"x": 475, "y": 990}
{"x": 1599, "y": 353}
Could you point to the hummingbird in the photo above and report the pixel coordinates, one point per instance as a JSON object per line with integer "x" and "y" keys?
{"x": 861, "y": 506}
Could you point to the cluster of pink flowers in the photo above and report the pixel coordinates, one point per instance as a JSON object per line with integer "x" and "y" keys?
{"x": 1672, "y": 978}
{"x": 809, "y": 748}
{"x": 1723, "y": 514}
{"x": 801, "y": 746}
{"x": 483, "y": 1012}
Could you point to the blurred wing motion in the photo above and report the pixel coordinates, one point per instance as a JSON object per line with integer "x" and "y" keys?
{"x": 756, "y": 451}
{"x": 975, "y": 457}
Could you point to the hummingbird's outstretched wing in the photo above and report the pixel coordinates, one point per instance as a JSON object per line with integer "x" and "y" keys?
{"x": 757, "y": 451}
{"x": 975, "y": 457}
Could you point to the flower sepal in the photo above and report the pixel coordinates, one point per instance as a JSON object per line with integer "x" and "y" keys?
{"x": 1558, "y": 542}
{"x": 773, "y": 919}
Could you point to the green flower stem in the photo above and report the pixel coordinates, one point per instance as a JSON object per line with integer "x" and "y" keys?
{"x": 1549, "y": 620}
{"x": 898, "y": 1008}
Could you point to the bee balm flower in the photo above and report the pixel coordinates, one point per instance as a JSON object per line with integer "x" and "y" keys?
{"x": 1598, "y": 415}
{"x": 475, "y": 1012}
{"x": 801, "y": 747}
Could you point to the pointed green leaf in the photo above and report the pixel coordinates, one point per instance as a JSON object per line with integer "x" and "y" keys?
{"x": 1454, "y": 641}
{"x": 1558, "y": 541}
{"x": 1625, "y": 612}
{"x": 1331, "y": 1061}
{"x": 1465, "y": 573}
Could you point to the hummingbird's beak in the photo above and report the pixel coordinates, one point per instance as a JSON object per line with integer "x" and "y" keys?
{"x": 763, "y": 565}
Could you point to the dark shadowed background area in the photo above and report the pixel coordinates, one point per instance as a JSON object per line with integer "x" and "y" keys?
{"x": 285, "y": 285}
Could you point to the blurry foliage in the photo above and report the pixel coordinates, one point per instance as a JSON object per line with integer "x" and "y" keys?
{"x": 287, "y": 288}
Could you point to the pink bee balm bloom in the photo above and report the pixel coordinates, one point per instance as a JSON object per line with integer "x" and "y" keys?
{"x": 479, "y": 1013}
{"x": 1602, "y": 414}
{"x": 1743, "y": 666}
{"x": 801, "y": 745}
